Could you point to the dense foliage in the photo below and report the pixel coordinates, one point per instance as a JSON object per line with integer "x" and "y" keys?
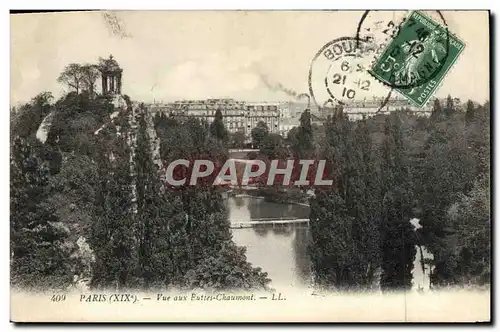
{"x": 88, "y": 201}
{"x": 389, "y": 169}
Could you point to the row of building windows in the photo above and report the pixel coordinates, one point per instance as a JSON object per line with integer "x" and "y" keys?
{"x": 237, "y": 116}
{"x": 262, "y": 107}
{"x": 239, "y": 122}
{"x": 238, "y": 107}
{"x": 235, "y": 124}
{"x": 199, "y": 112}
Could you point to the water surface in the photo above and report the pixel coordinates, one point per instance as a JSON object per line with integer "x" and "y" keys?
{"x": 280, "y": 250}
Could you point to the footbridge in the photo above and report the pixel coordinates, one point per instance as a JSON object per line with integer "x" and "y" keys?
{"x": 268, "y": 221}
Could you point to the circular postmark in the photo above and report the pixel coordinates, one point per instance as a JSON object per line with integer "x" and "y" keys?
{"x": 416, "y": 46}
{"x": 338, "y": 75}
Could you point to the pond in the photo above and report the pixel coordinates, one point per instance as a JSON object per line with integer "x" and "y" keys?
{"x": 280, "y": 250}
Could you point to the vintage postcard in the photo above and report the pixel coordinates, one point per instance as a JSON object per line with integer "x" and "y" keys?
{"x": 250, "y": 166}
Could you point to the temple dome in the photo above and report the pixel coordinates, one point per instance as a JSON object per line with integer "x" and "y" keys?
{"x": 111, "y": 76}
{"x": 109, "y": 65}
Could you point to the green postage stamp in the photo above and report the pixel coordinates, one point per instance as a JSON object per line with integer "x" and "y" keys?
{"x": 418, "y": 57}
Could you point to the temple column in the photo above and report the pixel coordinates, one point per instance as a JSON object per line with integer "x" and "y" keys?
{"x": 111, "y": 76}
{"x": 119, "y": 88}
{"x": 104, "y": 84}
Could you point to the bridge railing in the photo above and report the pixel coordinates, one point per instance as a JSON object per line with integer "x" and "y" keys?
{"x": 252, "y": 223}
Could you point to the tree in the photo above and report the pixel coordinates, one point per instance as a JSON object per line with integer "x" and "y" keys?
{"x": 273, "y": 147}
{"x": 344, "y": 226}
{"x": 437, "y": 110}
{"x": 398, "y": 238}
{"x": 76, "y": 119}
{"x": 303, "y": 146}
{"x": 72, "y": 190}
{"x": 89, "y": 75}
{"x": 147, "y": 188}
{"x": 227, "y": 270}
{"x": 72, "y": 76}
{"x": 252, "y": 155}
{"x": 291, "y": 136}
{"x": 471, "y": 217}
{"x": 447, "y": 169}
{"x": 238, "y": 140}
{"x": 259, "y": 133}
{"x": 40, "y": 255}
{"x": 332, "y": 246}
{"x": 162, "y": 123}
{"x": 217, "y": 128}
{"x": 469, "y": 112}
{"x": 450, "y": 107}
{"x": 113, "y": 231}
{"x": 205, "y": 222}
{"x": 157, "y": 217}
{"x": 28, "y": 119}
{"x": 203, "y": 231}
{"x": 477, "y": 133}
{"x": 365, "y": 203}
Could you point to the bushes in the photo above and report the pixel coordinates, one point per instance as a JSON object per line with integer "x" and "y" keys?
{"x": 228, "y": 270}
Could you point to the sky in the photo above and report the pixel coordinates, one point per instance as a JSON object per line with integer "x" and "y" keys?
{"x": 171, "y": 55}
